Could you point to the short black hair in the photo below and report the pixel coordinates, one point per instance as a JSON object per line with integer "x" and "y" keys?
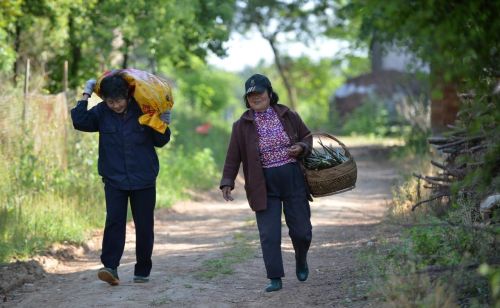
{"x": 114, "y": 87}
{"x": 272, "y": 95}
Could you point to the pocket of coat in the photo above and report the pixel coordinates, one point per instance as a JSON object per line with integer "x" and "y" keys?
{"x": 108, "y": 135}
{"x": 139, "y": 134}
{"x": 108, "y": 129}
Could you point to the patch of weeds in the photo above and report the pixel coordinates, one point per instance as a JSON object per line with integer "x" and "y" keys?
{"x": 394, "y": 281}
{"x": 188, "y": 286}
{"x": 160, "y": 301}
{"x": 250, "y": 222}
{"x": 215, "y": 267}
{"x": 239, "y": 251}
{"x": 434, "y": 258}
{"x": 492, "y": 273}
{"x": 415, "y": 291}
{"x": 427, "y": 267}
{"x": 346, "y": 301}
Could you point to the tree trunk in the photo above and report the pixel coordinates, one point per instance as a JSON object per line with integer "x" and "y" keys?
{"x": 444, "y": 109}
{"x": 75, "y": 51}
{"x": 125, "y": 53}
{"x": 281, "y": 70}
{"x": 17, "y": 47}
{"x": 152, "y": 65}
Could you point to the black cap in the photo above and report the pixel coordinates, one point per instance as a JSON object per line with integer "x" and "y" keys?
{"x": 257, "y": 83}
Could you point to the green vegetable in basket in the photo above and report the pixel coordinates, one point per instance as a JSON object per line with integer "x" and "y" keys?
{"x": 324, "y": 158}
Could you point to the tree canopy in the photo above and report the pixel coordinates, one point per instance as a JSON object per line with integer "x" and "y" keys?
{"x": 279, "y": 21}
{"x": 460, "y": 39}
{"x": 95, "y": 35}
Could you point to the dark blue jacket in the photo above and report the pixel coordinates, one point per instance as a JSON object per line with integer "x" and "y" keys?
{"x": 127, "y": 157}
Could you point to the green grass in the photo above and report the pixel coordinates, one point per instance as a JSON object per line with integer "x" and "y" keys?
{"x": 239, "y": 251}
{"x": 160, "y": 301}
{"x": 182, "y": 173}
{"x": 402, "y": 269}
{"x": 44, "y": 202}
{"x": 40, "y": 220}
{"x": 191, "y": 162}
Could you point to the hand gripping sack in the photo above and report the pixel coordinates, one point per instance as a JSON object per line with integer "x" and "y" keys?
{"x": 152, "y": 93}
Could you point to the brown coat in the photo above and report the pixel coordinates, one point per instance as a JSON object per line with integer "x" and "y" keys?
{"x": 244, "y": 148}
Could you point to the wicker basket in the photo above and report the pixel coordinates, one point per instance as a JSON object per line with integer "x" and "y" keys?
{"x": 332, "y": 180}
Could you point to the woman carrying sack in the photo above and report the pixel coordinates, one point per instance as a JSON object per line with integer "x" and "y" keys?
{"x": 268, "y": 139}
{"x": 129, "y": 165}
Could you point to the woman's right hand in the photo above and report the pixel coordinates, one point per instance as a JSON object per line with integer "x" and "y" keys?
{"x": 226, "y": 193}
{"x": 89, "y": 87}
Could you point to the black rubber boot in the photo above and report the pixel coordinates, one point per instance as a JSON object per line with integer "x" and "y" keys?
{"x": 302, "y": 271}
{"x": 274, "y": 285}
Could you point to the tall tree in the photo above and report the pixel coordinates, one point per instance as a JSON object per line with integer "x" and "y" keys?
{"x": 158, "y": 30}
{"x": 459, "y": 39}
{"x": 17, "y": 18}
{"x": 280, "y": 20}
{"x": 10, "y": 11}
{"x": 92, "y": 36}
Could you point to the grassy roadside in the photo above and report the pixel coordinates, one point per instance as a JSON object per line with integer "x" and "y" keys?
{"x": 430, "y": 257}
{"x": 43, "y": 201}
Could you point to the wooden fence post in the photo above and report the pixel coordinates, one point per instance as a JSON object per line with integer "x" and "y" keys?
{"x": 65, "y": 126}
{"x": 65, "y": 78}
{"x": 26, "y": 89}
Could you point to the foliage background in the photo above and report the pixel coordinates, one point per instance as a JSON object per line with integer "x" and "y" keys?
{"x": 43, "y": 202}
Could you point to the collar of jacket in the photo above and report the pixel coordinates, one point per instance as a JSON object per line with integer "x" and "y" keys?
{"x": 280, "y": 111}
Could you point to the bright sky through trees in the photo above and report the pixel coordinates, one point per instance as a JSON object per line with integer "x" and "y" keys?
{"x": 250, "y": 49}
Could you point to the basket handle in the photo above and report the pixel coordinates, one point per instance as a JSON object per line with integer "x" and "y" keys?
{"x": 332, "y": 137}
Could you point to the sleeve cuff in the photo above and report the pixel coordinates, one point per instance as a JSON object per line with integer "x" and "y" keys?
{"x": 306, "y": 149}
{"x": 226, "y": 182}
{"x": 82, "y": 102}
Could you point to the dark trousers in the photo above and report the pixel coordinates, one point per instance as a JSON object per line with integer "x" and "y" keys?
{"x": 142, "y": 203}
{"x": 286, "y": 191}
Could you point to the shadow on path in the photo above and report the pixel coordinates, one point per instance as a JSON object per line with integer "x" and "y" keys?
{"x": 194, "y": 232}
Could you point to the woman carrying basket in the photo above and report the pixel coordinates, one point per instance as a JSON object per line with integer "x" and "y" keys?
{"x": 268, "y": 140}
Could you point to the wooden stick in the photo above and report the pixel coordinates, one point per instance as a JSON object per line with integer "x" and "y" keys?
{"x": 477, "y": 164}
{"x": 428, "y": 200}
{"x": 474, "y": 149}
{"x": 439, "y": 268}
{"x": 26, "y": 90}
{"x": 450, "y": 151}
{"x": 425, "y": 178}
{"x": 438, "y": 140}
{"x": 436, "y": 178}
{"x": 486, "y": 228}
{"x": 439, "y": 165}
{"x": 463, "y": 140}
{"x": 27, "y": 77}
{"x": 65, "y": 77}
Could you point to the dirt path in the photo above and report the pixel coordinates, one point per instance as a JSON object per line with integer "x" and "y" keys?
{"x": 194, "y": 238}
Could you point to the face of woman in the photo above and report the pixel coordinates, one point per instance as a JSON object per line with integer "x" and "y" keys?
{"x": 259, "y": 101}
{"x": 118, "y": 105}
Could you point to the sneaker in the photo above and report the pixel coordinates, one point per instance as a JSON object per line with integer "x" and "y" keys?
{"x": 141, "y": 279}
{"x": 274, "y": 285}
{"x": 109, "y": 275}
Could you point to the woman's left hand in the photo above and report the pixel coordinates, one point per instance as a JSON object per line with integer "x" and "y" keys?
{"x": 295, "y": 150}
